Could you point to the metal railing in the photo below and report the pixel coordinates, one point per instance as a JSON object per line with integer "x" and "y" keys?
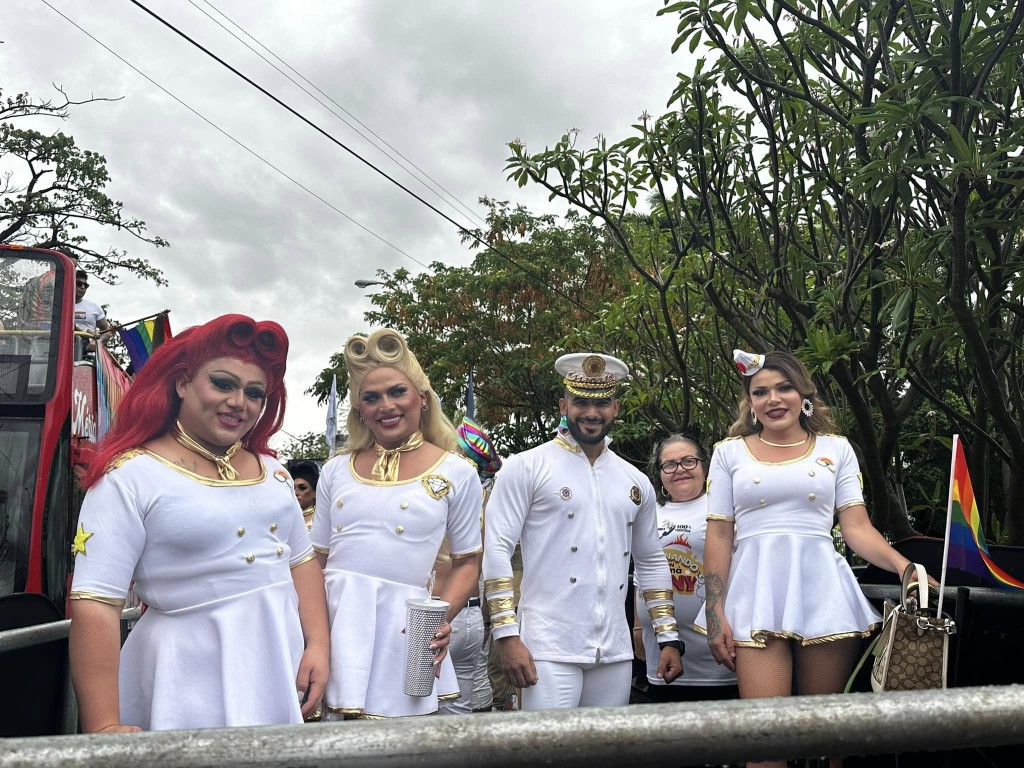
{"x": 724, "y": 731}
{"x": 13, "y": 639}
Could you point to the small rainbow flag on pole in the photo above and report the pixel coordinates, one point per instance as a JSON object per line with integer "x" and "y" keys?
{"x": 145, "y": 336}
{"x": 966, "y": 548}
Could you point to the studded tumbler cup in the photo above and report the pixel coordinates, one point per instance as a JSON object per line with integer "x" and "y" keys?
{"x": 422, "y": 620}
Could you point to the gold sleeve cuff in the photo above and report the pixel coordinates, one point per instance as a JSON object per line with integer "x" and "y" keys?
{"x": 499, "y": 604}
{"x": 670, "y": 627}
{"x": 849, "y": 504}
{"x": 306, "y": 559}
{"x": 503, "y": 584}
{"x": 501, "y": 621}
{"x": 463, "y": 555}
{"x": 657, "y": 594}
{"x": 662, "y": 611}
{"x": 321, "y": 550}
{"x": 725, "y": 518}
{"x": 117, "y": 602}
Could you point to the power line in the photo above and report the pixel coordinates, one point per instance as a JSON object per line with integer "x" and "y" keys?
{"x": 252, "y": 152}
{"x": 469, "y": 233}
{"x": 312, "y": 85}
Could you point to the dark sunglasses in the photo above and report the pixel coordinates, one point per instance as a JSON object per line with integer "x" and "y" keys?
{"x": 81, "y": 282}
{"x": 687, "y": 462}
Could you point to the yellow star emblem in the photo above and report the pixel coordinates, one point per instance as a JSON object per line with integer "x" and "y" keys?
{"x": 80, "y": 538}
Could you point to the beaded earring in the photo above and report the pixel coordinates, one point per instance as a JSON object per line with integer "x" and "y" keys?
{"x": 807, "y": 408}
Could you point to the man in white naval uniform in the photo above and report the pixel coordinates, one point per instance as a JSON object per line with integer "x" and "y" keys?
{"x": 579, "y": 512}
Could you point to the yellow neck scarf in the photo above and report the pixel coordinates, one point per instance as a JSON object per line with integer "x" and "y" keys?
{"x": 385, "y": 469}
{"x": 223, "y": 463}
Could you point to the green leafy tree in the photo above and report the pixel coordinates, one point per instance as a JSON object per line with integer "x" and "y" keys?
{"x": 51, "y": 187}
{"x": 311, "y": 445}
{"x": 842, "y": 180}
{"x": 505, "y": 321}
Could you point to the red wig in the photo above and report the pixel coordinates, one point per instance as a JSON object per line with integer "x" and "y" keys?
{"x": 151, "y": 404}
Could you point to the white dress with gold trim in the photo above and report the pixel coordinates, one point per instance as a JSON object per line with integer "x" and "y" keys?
{"x": 786, "y": 578}
{"x": 381, "y": 540}
{"x": 220, "y": 641}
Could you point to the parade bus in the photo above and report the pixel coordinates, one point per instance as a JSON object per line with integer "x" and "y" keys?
{"x": 48, "y": 413}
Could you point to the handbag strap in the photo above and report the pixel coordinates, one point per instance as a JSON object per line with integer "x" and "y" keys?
{"x": 915, "y": 569}
{"x": 860, "y": 664}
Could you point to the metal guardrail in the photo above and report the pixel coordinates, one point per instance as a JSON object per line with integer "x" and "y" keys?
{"x": 13, "y": 639}
{"x": 725, "y": 731}
{"x": 978, "y": 595}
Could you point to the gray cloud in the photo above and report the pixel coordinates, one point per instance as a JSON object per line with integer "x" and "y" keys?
{"x": 447, "y": 83}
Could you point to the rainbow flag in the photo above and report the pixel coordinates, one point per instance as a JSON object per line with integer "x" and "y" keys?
{"x": 111, "y": 384}
{"x": 968, "y": 550}
{"x": 142, "y": 338}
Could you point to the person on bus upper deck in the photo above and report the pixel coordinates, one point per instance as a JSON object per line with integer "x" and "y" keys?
{"x": 186, "y": 500}
{"x": 89, "y": 315}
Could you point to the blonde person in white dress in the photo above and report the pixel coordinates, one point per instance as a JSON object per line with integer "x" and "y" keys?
{"x": 678, "y": 471}
{"x": 384, "y": 504}
{"x": 186, "y": 500}
{"x": 783, "y": 607}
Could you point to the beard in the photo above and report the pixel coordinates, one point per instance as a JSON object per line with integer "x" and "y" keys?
{"x": 584, "y": 438}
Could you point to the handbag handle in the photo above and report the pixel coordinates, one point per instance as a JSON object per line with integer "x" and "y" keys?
{"x": 922, "y": 585}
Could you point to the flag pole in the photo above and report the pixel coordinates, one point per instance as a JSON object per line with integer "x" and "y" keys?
{"x": 949, "y": 521}
{"x": 119, "y": 326}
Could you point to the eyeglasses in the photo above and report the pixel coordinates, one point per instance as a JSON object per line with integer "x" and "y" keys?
{"x": 687, "y": 462}
{"x": 82, "y": 282}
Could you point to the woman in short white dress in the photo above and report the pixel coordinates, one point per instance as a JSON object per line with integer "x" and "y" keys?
{"x": 383, "y": 506}
{"x": 782, "y": 605}
{"x": 187, "y": 501}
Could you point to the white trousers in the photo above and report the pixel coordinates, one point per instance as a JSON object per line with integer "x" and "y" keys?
{"x": 469, "y": 657}
{"x": 561, "y": 686}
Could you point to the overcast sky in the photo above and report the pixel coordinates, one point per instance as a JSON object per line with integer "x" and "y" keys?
{"x": 445, "y": 83}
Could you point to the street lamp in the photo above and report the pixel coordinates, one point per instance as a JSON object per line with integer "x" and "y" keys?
{"x": 367, "y": 283}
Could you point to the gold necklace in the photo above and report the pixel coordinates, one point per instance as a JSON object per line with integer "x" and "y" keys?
{"x": 782, "y": 445}
{"x": 223, "y": 463}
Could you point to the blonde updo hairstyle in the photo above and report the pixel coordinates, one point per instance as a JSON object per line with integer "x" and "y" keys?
{"x": 790, "y": 366}
{"x": 386, "y": 348}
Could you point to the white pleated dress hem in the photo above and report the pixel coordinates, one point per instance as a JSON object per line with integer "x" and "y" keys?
{"x": 228, "y": 662}
{"x": 369, "y": 684}
{"x": 793, "y": 586}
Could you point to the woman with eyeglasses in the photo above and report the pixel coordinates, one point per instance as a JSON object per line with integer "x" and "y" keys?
{"x": 677, "y": 469}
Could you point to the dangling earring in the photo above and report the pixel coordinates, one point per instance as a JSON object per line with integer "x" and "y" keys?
{"x": 423, "y": 407}
{"x": 753, "y": 417}
{"x": 360, "y": 414}
{"x": 807, "y": 408}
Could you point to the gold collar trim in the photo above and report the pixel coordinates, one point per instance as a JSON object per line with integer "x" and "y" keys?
{"x": 222, "y": 462}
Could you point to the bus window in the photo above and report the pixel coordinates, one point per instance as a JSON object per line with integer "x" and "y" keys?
{"x": 30, "y": 310}
{"x": 19, "y": 454}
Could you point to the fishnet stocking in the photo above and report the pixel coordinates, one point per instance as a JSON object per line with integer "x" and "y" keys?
{"x": 825, "y": 668}
{"x": 764, "y": 673}
{"x": 769, "y": 672}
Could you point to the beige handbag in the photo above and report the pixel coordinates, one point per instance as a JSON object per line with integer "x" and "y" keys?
{"x": 912, "y": 649}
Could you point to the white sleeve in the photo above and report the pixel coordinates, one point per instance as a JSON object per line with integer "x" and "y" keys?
{"x": 652, "y": 572}
{"x": 109, "y": 542}
{"x": 720, "y": 499}
{"x": 464, "y": 511}
{"x": 849, "y": 490}
{"x": 320, "y": 534}
{"x": 507, "y": 508}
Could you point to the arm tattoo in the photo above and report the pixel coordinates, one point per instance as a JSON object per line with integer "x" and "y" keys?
{"x": 714, "y": 587}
